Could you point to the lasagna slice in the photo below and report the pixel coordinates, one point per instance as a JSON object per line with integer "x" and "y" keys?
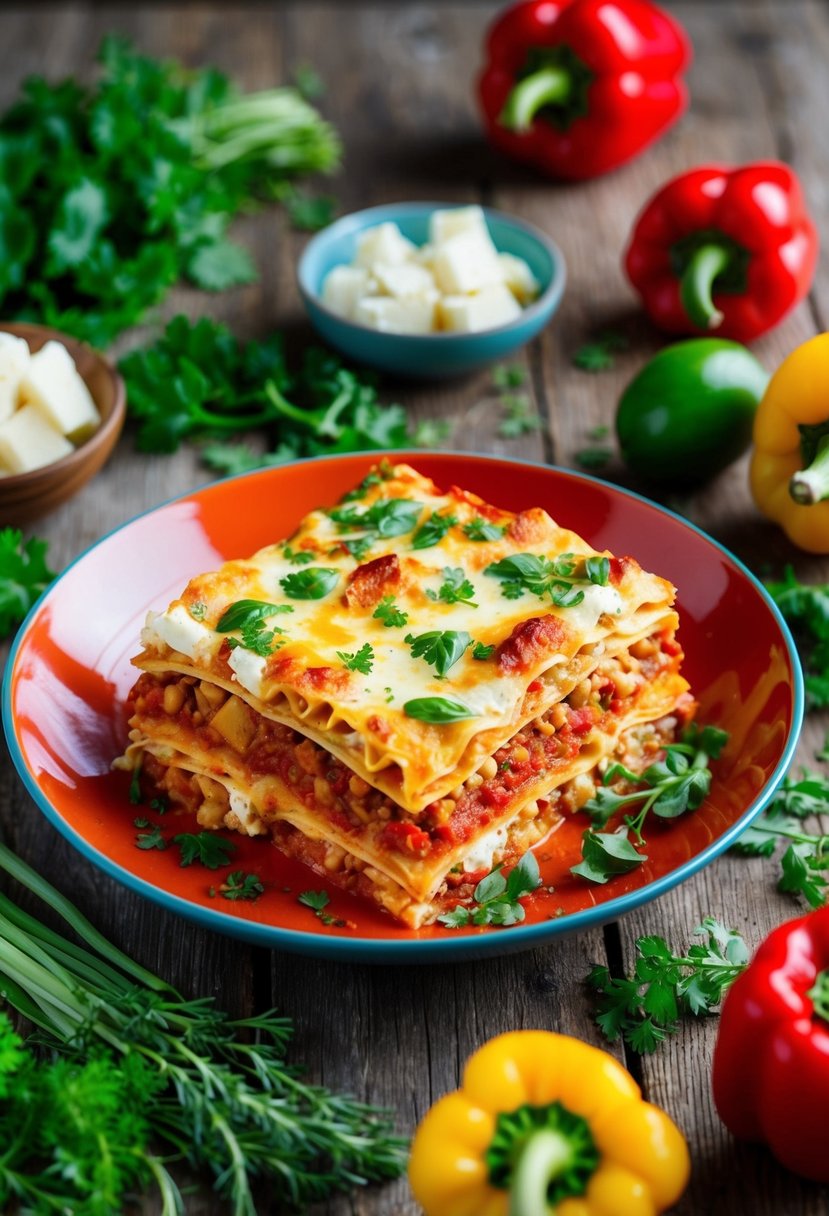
{"x": 413, "y": 686}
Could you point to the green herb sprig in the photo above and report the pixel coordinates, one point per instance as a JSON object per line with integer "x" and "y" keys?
{"x": 219, "y": 1094}
{"x": 497, "y": 897}
{"x": 804, "y": 862}
{"x": 558, "y": 578}
{"x": 24, "y": 575}
{"x": 455, "y": 589}
{"x": 389, "y": 613}
{"x": 441, "y": 649}
{"x": 806, "y": 608}
{"x": 645, "y": 1007}
{"x": 361, "y": 660}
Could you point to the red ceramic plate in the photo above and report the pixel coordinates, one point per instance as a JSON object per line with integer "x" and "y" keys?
{"x": 70, "y": 671}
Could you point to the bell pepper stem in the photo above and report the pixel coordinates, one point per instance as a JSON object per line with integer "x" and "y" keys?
{"x": 550, "y": 85}
{"x": 818, "y": 994}
{"x": 810, "y": 486}
{"x": 697, "y": 284}
{"x": 543, "y": 1156}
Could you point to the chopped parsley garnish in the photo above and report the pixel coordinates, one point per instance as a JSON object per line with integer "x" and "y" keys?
{"x": 389, "y": 695}
{"x": 207, "y": 848}
{"x": 297, "y": 557}
{"x": 258, "y": 639}
{"x": 151, "y": 839}
{"x": 314, "y": 583}
{"x": 386, "y": 517}
{"x": 361, "y": 660}
{"x": 441, "y": 649}
{"x": 318, "y": 901}
{"x": 480, "y": 529}
{"x": 437, "y": 709}
{"x": 239, "y": 885}
{"x": 433, "y": 530}
{"x": 497, "y": 898}
{"x": 197, "y": 610}
{"x": 456, "y": 589}
{"x": 542, "y": 576}
{"x": 388, "y": 612}
{"x": 479, "y": 651}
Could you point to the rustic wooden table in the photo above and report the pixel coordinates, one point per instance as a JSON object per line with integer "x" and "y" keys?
{"x": 399, "y": 87}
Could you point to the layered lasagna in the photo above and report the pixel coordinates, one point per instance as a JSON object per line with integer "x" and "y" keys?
{"x": 413, "y": 687}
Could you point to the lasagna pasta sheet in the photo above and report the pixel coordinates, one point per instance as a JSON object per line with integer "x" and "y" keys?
{"x": 302, "y": 693}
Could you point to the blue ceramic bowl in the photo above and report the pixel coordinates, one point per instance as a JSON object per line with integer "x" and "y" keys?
{"x": 429, "y": 355}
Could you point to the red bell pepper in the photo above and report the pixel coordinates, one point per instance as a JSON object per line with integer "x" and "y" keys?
{"x": 771, "y": 1062}
{"x": 577, "y": 87}
{"x": 731, "y": 250}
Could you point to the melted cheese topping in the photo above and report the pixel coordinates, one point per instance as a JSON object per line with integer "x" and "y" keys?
{"x": 373, "y": 548}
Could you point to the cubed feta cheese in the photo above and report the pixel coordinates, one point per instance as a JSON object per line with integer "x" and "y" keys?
{"x": 406, "y": 280}
{"x": 445, "y": 224}
{"x": 344, "y": 286}
{"x": 491, "y": 306}
{"x": 14, "y": 359}
{"x": 519, "y": 278}
{"x": 28, "y": 441}
{"x": 52, "y": 384}
{"x": 385, "y": 243}
{"x": 411, "y": 315}
{"x": 467, "y": 262}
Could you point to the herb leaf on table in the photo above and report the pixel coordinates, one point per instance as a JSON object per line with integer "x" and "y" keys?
{"x": 24, "y": 575}
{"x": 115, "y": 191}
{"x": 645, "y": 1007}
{"x": 805, "y": 607}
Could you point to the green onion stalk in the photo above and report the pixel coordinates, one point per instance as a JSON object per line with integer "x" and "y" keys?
{"x": 228, "y": 1104}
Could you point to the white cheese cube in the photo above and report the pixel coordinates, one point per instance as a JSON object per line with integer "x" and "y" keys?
{"x": 406, "y": 280}
{"x": 492, "y": 306}
{"x": 14, "y": 359}
{"x": 53, "y": 385}
{"x": 519, "y": 278}
{"x": 385, "y": 243}
{"x": 344, "y": 287}
{"x": 27, "y": 441}
{"x": 445, "y": 224}
{"x": 467, "y": 262}
{"x": 411, "y": 315}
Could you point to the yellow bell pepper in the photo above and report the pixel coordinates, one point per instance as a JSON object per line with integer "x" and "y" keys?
{"x": 790, "y": 464}
{"x": 546, "y": 1124}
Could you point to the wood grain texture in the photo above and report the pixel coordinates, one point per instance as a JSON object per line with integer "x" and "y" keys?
{"x": 398, "y": 87}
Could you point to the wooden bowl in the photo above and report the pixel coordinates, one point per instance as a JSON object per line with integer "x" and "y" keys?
{"x": 26, "y": 496}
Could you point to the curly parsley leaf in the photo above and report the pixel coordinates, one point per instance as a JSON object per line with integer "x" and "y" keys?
{"x": 433, "y": 530}
{"x": 312, "y": 583}
{"x": 361, "y": 660}
{"x": 24, "y": 575}
{"x": 441, "y": 649}
{"x": 437, "y": 710}
{"x": 645, "y": 1007}
{"x": 496, "y": 900}
{"x": 207, "y": 848}
{"x": 480, "y": 529}
{"x": 456, "y": 588}
{"x": 388, "y": 612}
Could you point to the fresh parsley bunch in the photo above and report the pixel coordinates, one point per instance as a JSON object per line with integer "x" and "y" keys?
{"x": 111, "y": 193}
{"x": 645, "y": 1007}
{"x": 198, "y": 381}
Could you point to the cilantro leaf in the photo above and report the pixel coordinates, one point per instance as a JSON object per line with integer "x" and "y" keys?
{"x": 388, "y": 612}
{"x": 207, "y": 848}
{"x": 24, "y": 575}
{"x": 361, "y": 660}
{"x": 456, "y": 588}
{"x": 151, "y": 839}
{"x": 441, "y": 649}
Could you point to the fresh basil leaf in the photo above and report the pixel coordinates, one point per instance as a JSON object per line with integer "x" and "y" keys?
{"x": 597, "y": 570}
{"x": 245, "y": 612}
{"x": 491, "y": 887}
{"x": 524, "y": 878}
{"x": 480, "y": 529}
{"x": 606, "y": 854}
{"x": 437, "y": 710}
{"x": 312, "y": 583}
{"x": 387, "y": 517}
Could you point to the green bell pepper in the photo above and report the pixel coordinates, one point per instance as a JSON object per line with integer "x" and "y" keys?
{"x": 689, "y": 412}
